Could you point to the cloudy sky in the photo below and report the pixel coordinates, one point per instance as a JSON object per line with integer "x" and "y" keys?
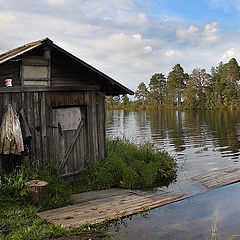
{"x": 129, "y": 40}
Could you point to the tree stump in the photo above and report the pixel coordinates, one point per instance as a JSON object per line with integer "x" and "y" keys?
{"x": 38, "y": 189}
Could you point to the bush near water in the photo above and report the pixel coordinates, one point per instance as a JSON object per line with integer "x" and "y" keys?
{"x": 126, "y": 165}
{"x": 130, "y": 166}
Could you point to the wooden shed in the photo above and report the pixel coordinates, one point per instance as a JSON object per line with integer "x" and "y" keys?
{"x": 63, "y": 101}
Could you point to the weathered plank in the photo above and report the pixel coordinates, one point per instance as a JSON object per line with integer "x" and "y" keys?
{"x": 88, "y": 96}
{"x": 28, "y": 110}
{"x": 100, "y": 126}
{"x": 71, "y": 144}
{"x": 37, "y": 127}
{"x": 34, "y": 88}
{"x": 97, "y": 206}
{"x": 43, "y": 122}
{"x": 94, "y": 123}
{"x": 220, "y": 177}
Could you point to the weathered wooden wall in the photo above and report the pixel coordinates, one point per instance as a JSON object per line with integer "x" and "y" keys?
{"x": 10, "y": 70}
{"x": 38, "y": 106}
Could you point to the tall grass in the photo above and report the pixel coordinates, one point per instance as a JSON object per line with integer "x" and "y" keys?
{"x": 130, "y": 166}
{"x": 12, "y": 184}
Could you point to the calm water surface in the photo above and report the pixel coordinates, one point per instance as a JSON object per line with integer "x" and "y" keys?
{"x": 200, "y": 141}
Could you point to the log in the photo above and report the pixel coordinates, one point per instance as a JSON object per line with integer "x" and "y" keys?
{"x": 38, "y": 189}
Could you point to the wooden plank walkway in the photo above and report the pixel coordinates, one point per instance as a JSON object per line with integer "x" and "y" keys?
{"x": 98, "y": 206}
{"x": 219, "y": 178}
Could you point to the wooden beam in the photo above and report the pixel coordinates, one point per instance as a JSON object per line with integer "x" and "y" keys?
{"x": 49, "y": 88}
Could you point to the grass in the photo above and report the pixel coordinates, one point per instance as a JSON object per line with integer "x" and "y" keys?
{"x": 129, "y": 166}
{"x": 126, "y": 166}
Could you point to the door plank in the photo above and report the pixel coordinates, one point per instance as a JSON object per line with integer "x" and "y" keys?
{"x": 71, "y": 145}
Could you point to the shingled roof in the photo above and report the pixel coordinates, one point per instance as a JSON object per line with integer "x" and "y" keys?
{"x": 116, "y": 86}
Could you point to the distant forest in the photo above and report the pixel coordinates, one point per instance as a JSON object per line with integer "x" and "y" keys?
{"x": 199, "y": 90}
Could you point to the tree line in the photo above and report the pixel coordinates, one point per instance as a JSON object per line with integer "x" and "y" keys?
{"x": 218, "y": 89}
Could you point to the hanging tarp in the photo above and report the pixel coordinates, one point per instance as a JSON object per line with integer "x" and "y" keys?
{"x": 11, "y": 140}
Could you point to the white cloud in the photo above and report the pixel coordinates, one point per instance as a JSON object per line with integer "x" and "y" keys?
{"x": 148, "y": 48}
{"x": 137, "y": 36}
{"x": 192, "y": 29}
{"x": 130, "y": 19}
{"x": 210, "y": 39}
{"x": 210, "y": 33}
{"x": 233, "y": 52}
{"x": 171, "y": 53}
{"x": 211, "y": 27}
{"x": 58, "y": 2}
{"x": 190, "y": 33}
{"x": 123, "y": 48}
{"x": 204, "y": 35}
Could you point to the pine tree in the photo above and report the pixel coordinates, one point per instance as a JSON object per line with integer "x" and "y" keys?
{"x": 157, "y": 87}
{"x": 176, "y": 82}
{"x": 230, "y": 79}
{"x": 197, "y": 88}
{"x": 141, "y": 93}
{"x": 125, "y": 100}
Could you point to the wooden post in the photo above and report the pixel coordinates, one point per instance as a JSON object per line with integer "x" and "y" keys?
{"x": 38, "y": 189}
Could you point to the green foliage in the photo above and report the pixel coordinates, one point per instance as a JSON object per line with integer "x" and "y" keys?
{"x": 157, "y": 88}
{"x": 197, "y": 89}
{"x": 12, "y": 184}
{"x": 176, "y": 82}
{"x": 129, "y": 166}
{"x": 141, "y": 93}
{"x": 220, "y": 89}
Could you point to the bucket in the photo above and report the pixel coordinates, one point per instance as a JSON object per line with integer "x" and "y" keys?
{"x": 8, "y": 82}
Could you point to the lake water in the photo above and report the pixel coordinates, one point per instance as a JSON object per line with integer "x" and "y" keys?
{"x": 200, "y": 141}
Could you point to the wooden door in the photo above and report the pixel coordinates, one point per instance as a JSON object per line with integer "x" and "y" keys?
{"x": 69, "y": 139}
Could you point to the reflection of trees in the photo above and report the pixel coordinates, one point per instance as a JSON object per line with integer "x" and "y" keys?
{"x": 196, "y": 131}
{"x": 168, "y": 124}
{"x": 196, "y": 128}
{"x": 224, "y": 128}
{"x": 158, "y": 124}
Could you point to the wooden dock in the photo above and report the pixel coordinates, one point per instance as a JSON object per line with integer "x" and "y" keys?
{"x": 219, "y": 178}
{"x": 98, "y": 206}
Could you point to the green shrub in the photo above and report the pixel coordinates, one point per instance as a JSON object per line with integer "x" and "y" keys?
{"x": 129, "y": 166}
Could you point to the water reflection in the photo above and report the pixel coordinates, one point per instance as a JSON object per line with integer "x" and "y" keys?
{"x": 200, "y": 140}
{"x": 191, "y": 218}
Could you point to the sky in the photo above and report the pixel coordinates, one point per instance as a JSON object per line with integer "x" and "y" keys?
{"x": 129, "y": 40}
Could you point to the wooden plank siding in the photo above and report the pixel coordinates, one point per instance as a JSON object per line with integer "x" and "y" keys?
{"x": 66, "y": 72}
{"x": 10, "y": 70}
{"x": 38, "y": 107}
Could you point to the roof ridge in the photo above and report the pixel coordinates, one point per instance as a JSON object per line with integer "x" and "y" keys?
{"x": 26, "y": 45}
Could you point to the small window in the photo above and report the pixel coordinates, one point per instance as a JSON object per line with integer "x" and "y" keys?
{"x": 68, "y": 118}
{"x": 35, "y": 71}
